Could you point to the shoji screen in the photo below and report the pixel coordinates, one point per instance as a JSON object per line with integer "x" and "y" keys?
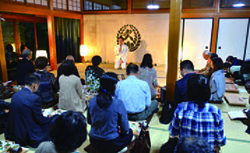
{"x": 196, "y": 39}
{"x": 232, "y": 37}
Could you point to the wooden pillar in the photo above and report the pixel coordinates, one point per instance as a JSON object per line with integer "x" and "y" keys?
{"x": 2, "y": 57}
{"x": 52, "y": 42}
{"x": 129, "y": 7}
{"x": 214, "y": 35}
{"x": 35, "y": 35}
{"x": 16, "y": 38}
{"x": 173, "y": 46}
{"x": 82, "y": 36}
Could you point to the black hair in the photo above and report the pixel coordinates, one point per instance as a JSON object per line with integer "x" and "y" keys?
{"x": 9, "y": 48}
{"x": 68, "y": 131}
{"x": 230, "y": 59}
{"x": 147, "y": 61}
{"x": 198, "y": 89}
{"x": 68, "y": 67}
{"x": 218, "y": 64}
{"x": 245, "y": 67}
{"x": 226, "y": 65}
{"x": 213, "y": 55}
{"x": 96, "y": 60}
{"x": 22, "y": 47}
{"x": 107, "y": 89}
{"x": 193, "y": 144}
{"x": 132, "y": 68}
{"x": 32, "y": 79}
{"x": 121, "y": 38}
{"x": 187, "y": 64}
{"x": 41, "y": 62}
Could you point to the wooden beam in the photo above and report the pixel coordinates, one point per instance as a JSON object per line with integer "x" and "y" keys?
{"x": 82, "y": 30}
{"x": 16, "y": 38}
{"x": 214, "y": 34}
{"x": 52, "y": 42}
{"x": 146, "y": 11}
{"x": 44, "y": 11}
{"x": 173, "y": 47}
{"x": 2, "y": 57}
{"x": 51, "y": 6}
{"x": 129, "y": 7}
{"x": 23, "y": 18}
{"x": 35, "y": 33}
{"x": 106, "y": 12}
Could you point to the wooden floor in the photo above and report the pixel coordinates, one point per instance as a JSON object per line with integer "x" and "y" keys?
{"x": 237, "y": 140}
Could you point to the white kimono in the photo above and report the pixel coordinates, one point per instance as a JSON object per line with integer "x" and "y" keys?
{"x": 122, "y": 55}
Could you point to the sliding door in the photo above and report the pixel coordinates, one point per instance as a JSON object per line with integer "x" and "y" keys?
{"x": 196, "y": 38}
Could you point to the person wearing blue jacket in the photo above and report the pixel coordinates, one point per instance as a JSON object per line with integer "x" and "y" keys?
{"x": 107, "y": 115}
{"x": 26, "y": 124}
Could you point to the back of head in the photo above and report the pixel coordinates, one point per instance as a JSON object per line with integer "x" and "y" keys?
{"x": 26, "y": 53}
{"x": 96, "y": 60}
{"x": 68, "y": 67}
{"x": 213, "y": 55}
{"x": 245, "y": 67}
{"x": 70, "y": 57}
{"x": 32, "y": 79}
{"x": 107, "y": 89}
{"x": 198, "y": 89}
{"x": 217, "y": 63}
{"x": 23, "y": 46}
{"x": 41, "y": 62}
{"x": 230, "y": 59}
{"x": 147, "y": 61}
{"x": 193, "y": 144}
{"x": 226, "y": 65}
{"x": 9, "y": 48}
{"x": 68, "y": 131}
{"x": 187, "y": 64}
{"x": 132, "y": 69}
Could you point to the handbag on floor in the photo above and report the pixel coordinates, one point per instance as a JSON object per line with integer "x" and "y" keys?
{"x": 143, "y": 143}
{"x": 167, "y": 113}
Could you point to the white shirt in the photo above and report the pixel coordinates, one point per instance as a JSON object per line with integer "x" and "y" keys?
{"x": 123, "y": 54}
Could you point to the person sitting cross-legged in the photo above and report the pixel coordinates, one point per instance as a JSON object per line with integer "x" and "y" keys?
{"x": 197, "y": 117}
{"x": 107, "y": 116}
{"x": 136, "y": 95}
{"x": 47, "y": 80}
{"x": 67, "y": 134}
{"x": 26, "y": 124}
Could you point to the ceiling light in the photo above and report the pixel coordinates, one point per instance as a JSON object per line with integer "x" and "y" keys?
{"x": 153, "y": 6}
{"x": 239, "y": 4}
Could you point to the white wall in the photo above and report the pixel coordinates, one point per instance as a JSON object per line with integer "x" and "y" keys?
{"x": 100, "y": 35}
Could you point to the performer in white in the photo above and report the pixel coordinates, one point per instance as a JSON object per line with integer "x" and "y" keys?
{"x": 121, "y": 53}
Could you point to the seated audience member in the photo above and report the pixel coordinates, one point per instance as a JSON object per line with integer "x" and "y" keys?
{"x": 180, "y": 93}
{"x": 23, "y": 47}
{"x": 107, "y": 116}
{"x": 247, "y": 112}
{"x": 24, "y": 66}
{"x": 3, "y": 115}
{"x": 148, "y": 73}
{"x": 67, "y": 134}
{"x": 234, "y": 60}
{"x": 206, "y": 55}
{"x": 59, "y": 72}
{"x": 26, "y": 124}
{"x": 197, "y": 117}
{"x": 135, "y": 94}
{"x": 71, "y": 96}
{"x": 193, "y": 144}
{"x": 47, "y": 80}
{"x": 93, "y": 73}
{"x": 217, "y": 81}
{"x": 208, "y": 71}
{"x": 245, "y": 71}
{"x": 11, "y": 57}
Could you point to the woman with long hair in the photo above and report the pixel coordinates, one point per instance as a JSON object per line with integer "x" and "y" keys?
{"x": 148, "y": 73}
{"x": 107, "y": 115}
